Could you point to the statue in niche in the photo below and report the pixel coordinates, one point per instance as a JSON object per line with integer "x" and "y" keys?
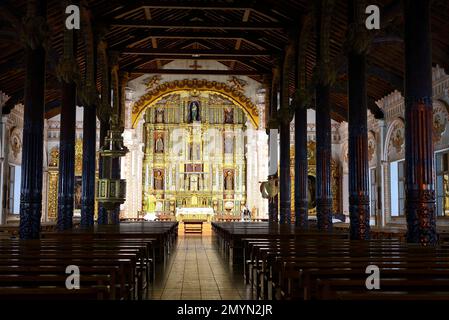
{"x": 228, "y": 144}
{"x": 158, "y": 180}
{"x": 229, "y": 180}
{"x": 159, "y": 144}
{"x": 191, "y": 151}
{"x": 311, "y": 192}
{"x": 197, "y": 152}
{"x": 228, "y": 115}
{"x": 159, "y": 115}
{"x": 193, "y": 182}
{"x": 194, "y": 111}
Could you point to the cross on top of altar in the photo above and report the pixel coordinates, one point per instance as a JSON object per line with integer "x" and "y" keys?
{"x": 195, "y": 65}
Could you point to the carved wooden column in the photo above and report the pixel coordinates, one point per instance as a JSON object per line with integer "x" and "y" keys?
{"x": 323, "y": 119}
{"x": 420, "y": 190}
{"x": 104, "y": 114}
{"x": 273, "y": 202}
{"x": 358, "y": 163}
{"x": 67, "y": 71}
{"x": 302, "y": 100}
{"x": 285, "y": 118}
{"x": 32, "y": 152}
{"x": 89, "y": 126}
{"x": 102, "y": 212}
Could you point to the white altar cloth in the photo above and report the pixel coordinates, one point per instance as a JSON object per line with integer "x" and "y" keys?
{"x": 194, "y": 213}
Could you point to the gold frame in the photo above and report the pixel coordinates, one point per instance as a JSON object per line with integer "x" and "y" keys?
{"x": 236, "y": 96}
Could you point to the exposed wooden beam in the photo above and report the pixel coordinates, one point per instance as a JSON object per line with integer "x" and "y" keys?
{"x": 197, "y": 72}
{"x": 238, "y": 42}
{"x": 247, "y": 62}
{"x": 140, "y": 36}
{"x": 121, "y": 11}
{"x": 396, "y": 81}
{"x": 238, "y": 25}
{"x": 196, "y": 52}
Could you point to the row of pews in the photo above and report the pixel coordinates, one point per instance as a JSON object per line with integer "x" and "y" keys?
{"x": 284, "y": 263}
{"x": 115, "y": 262}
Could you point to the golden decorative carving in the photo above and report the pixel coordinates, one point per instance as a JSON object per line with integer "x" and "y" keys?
{"x": 152, "y": 82}
{"x": 237, "y": 84}
{"x": 200, "y": 85}
{"x": 54, "y": 157}
{"x": 52, "y": 194}
{"x": 78, "y": 157}
{"x": 311, "y": 147}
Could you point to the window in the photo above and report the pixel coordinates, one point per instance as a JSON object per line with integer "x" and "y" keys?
{"x": 397, "y": 188}
{"x": 442, "y": 170}
{"x": 12, "y": 190}
{"x": 11, "y": 177}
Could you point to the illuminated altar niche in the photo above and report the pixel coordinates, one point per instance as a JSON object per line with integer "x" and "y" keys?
{"x": 193, "y": 163}
{"x": 311, "y": 172}
{"x": 53, "y": 181}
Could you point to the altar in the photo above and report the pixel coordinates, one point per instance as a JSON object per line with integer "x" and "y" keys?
{"x": 205, "y": 214}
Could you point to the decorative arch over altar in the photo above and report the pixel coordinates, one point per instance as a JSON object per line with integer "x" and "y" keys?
{"x": 232, "y": 93}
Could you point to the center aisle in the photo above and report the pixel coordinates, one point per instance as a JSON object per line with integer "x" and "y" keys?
{"x": 197, "y": 271}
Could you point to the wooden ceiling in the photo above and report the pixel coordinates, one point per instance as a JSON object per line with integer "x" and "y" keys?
{"x": 247, "y": 36}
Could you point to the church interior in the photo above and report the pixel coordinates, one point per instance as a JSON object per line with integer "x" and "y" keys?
{"x": 224, "y": 150}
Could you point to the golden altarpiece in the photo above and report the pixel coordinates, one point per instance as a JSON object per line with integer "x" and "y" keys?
{"x": 194, "y": 154}
{"x": 53, "y": 181}
{"x": 311, "y": 171}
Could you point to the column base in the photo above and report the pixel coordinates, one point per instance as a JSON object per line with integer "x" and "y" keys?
{"x": 324, "y": 214}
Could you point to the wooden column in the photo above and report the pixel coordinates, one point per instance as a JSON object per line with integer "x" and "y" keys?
{"x": 301, "y": 167}
{"x": 420, "y": 189}
{"x": 102, "y": 212}
{"x": 89, "y": 125}
{"x": 323, "y": 120}
{"x": 273, "y": 203}
{"x": 323, "y": 158}
{"x": 358, "y": 163}
{"x": 285, "y": 118}
{"x": 66, "y": 187}
{"x": 89, "y": 157}
{"x": 104, "y": 114}
{"x": 302, "y": 99}
{"x": 33, "y": 126}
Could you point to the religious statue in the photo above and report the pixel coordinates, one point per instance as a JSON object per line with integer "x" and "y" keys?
{"x": 159, "y": 144}
{"x": 193, "y": 183}
{"x": 78, "y": 193}
{"x": 311, "y": 194}
{"x": 158, "y": 180}
{"x": 229, "y": 180}
{"x": 159, "y": 115}
{"x": 228, "y": 115}
{"x": 228, "y": 144}
{"x": 197, "y": 152}
{"x": 194, "y": 111}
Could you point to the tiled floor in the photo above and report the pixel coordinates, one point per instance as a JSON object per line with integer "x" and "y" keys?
{"x": 197, "y": 271}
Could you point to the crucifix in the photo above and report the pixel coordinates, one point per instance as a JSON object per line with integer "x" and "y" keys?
{"x": 195, "y": 65}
